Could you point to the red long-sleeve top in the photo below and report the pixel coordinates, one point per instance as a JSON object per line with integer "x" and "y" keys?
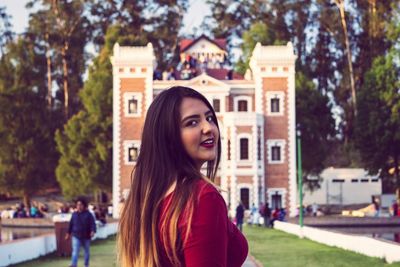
{"x": 214, "y": 241}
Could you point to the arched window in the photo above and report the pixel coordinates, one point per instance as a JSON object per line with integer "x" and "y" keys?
{"x": 245, "y": 197}
{"x": 242, "y": 105}
{"x": 244, "y": 148}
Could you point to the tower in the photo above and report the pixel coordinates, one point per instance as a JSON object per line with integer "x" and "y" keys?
{"x": 274, "y": 76}
{"x": 132, "y": 95}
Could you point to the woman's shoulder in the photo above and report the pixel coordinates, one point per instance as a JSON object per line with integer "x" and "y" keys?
{"x": 208, "y": 192}
{"x": 205, "y": 186}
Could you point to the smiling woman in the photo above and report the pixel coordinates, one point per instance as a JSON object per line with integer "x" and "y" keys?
{"x": 174, "y": 215}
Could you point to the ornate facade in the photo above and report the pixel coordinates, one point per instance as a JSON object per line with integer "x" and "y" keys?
{"x": 256, "y": 116}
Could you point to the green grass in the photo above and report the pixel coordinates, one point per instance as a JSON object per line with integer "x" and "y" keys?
{"x": 271, "y": 247}
{"x": 102, "y": 254}
{"x": 276, "y": 248}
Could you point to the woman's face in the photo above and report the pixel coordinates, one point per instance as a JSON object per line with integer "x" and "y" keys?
{"x": 199, "y": 131}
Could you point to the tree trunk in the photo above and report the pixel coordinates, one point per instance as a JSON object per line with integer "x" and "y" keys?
{"x": 64, "y": 50}
{"x": 340, "y": 4}
{"x": 49, "y": 81}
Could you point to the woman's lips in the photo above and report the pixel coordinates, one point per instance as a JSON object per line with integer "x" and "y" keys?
{"x": 209, "y": 143}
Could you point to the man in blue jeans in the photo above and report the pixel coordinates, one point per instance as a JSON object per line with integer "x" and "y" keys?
{"x": 82, "y": 228}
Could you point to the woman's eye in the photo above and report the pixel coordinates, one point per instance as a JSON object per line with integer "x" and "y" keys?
{"x": 191, "y": 123}
{"x": 210, "y": 119}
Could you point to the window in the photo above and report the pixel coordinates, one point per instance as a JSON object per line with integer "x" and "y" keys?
{"x": 337, "y": 180}
{"x": 244, "y": 148}
{"x": 132, "y": 154}
{"x": 242, "y": 105}
{"x": 229, "y": 149}
{"x": 364, "y": 180}
{"x": 216, "y": 105}
{"x": 276, "y": 201}
{"x": 354, "y": 180}
{"x": 245, "y": 197}
{"x": 258, "y": 149}
{"x": 132, "y": 106}
{"x": 374, "y": 180}
{"x": 276, "y": 153}
{"x": 131, "y": 151}
{"x": 275, "y": 105}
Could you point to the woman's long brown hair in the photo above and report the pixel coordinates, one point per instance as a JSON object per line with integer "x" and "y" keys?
{"x": 162, "y": 161}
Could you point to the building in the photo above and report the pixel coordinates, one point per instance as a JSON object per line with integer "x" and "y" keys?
{"x": 345, "y": 186}
{"x": 256, "y": 116}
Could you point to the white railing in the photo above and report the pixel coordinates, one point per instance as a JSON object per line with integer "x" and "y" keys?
{"x": 27, "y": 249}
{"x": 369, "y": 246}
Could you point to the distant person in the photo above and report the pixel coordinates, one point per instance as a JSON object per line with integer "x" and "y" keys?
{"x": 275, "y": 217}
{"x": 82, "y": 228}
{"x": 377, "y": 208}
{"x": 34, "y": 211}
{"x": 266, "y": 213}
{"x": 282, "y": 215}
{"x": 240, "y": 216}
{"x": 254, "y": 214}
{"x": 314, "y": 208}
{"x": 395, "y": 207}
{"x": 110, "y": 210}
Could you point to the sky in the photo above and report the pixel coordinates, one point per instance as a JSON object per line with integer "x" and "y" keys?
{"x": 198, "y": 9}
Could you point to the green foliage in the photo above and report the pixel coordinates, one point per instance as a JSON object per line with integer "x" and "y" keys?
{"x": 378, "y": 123}
{"x": 315, "y": 121}
{"x": 27, "y": 154}
{"x": 258, "y": 33}
{"x": 313, "y": 109}
{"x": 85, "y": 144}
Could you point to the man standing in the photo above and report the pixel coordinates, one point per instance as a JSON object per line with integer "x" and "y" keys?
{"x": 240, "y": 216}
{"x": 82, "y": 228}
{"x": 267, "y": 215}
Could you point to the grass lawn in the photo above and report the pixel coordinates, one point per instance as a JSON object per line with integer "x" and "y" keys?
{"x": 271, "y": 247}
{"x": 102, "y": 254}
{"x": 277, "y": 248}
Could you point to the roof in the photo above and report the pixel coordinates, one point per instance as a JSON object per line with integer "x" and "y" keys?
{"x": 221, "y": 74}
{"x": 346, "y": 173}
{"x": 185, "y": 44}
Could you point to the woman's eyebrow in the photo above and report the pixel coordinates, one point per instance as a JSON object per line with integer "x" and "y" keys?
{"x": 196, "y": 116}
{"x": 208, "y": 113}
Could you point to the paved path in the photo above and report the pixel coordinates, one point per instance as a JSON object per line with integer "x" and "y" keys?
{"x": 249, "y": 263}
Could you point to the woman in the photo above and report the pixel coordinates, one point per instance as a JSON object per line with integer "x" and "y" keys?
{"x": 174, "y": 215}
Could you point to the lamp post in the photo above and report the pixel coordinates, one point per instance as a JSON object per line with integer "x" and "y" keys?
{"x": 300, "y": 177}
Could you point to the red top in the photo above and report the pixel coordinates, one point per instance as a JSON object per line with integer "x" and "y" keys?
{"x": 214, "y": 241}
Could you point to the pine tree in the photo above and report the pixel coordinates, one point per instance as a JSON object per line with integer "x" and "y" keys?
{"x": 85, "y": 143}
{"x": 27, "y": 154}
{"x": 315, "y": 121}
{"x": 378, "y": 123}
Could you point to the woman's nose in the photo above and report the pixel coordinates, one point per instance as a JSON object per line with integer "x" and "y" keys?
{"x": 206, "y": 127}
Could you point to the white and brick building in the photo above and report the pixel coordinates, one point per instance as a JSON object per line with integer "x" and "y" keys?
{"x": 256, "y": 117}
